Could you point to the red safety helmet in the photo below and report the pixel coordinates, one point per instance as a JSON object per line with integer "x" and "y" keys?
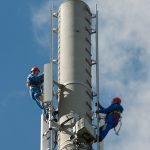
{"x": 116, "y": 100}
{"x": 34, "y": 69}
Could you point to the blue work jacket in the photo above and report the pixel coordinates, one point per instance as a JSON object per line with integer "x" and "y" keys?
{"x": 109, "y": 115}
{"x": 35, "y": 80}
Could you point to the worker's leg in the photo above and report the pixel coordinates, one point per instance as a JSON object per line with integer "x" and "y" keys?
{"x": 35, "y": 94}
{"x": 38, "y": 100}
{"x": 40, "y": 104}
{"x": 38, "y": 97}
{"x": 104, "y": 131}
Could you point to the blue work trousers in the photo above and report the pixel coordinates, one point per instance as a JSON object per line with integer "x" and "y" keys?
{"x": 110, "y": 123}
{"x": 104, "y": 131}
{"x": 35, "y": 92}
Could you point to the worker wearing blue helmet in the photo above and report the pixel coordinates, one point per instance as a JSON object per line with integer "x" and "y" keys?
{"x": 113, "y": 115}
{"x": 34, "y": 83}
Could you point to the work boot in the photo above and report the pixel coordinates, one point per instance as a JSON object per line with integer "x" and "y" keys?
{"x": 100, "y": 139}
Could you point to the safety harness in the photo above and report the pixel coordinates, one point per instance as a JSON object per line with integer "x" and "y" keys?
{"x": 120, "y": 125}
{"x": 117, "y": 119}
{"x": 116, "y": 115}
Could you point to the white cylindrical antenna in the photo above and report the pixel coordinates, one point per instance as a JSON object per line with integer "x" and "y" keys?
{"x": 48, "y": 83}
{"x": 74, "y": 68}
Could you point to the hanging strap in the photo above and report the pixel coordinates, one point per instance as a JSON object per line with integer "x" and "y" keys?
{"x": 120, "y": 125}
{"x": 115, "y": 119}
{"x": 115, "y": 112}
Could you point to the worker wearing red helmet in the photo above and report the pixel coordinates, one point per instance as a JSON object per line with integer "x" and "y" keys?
{"x": 34, "y": 83}
{"x": 113, "y": 114}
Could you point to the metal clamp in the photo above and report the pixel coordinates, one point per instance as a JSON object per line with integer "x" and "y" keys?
{"x": 77, "y": 82}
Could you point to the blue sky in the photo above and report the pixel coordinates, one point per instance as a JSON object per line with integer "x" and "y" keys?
{"x": 19, "y": 116}
{"x": 124, "y": 43}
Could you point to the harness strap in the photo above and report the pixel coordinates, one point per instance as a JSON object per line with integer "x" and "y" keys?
{"x": 117, "y": 131}
{"x": 115, "y": 111}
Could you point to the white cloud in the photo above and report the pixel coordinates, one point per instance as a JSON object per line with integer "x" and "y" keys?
{"x": 41, "y": 21}
{"x": 125, "y": 68}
